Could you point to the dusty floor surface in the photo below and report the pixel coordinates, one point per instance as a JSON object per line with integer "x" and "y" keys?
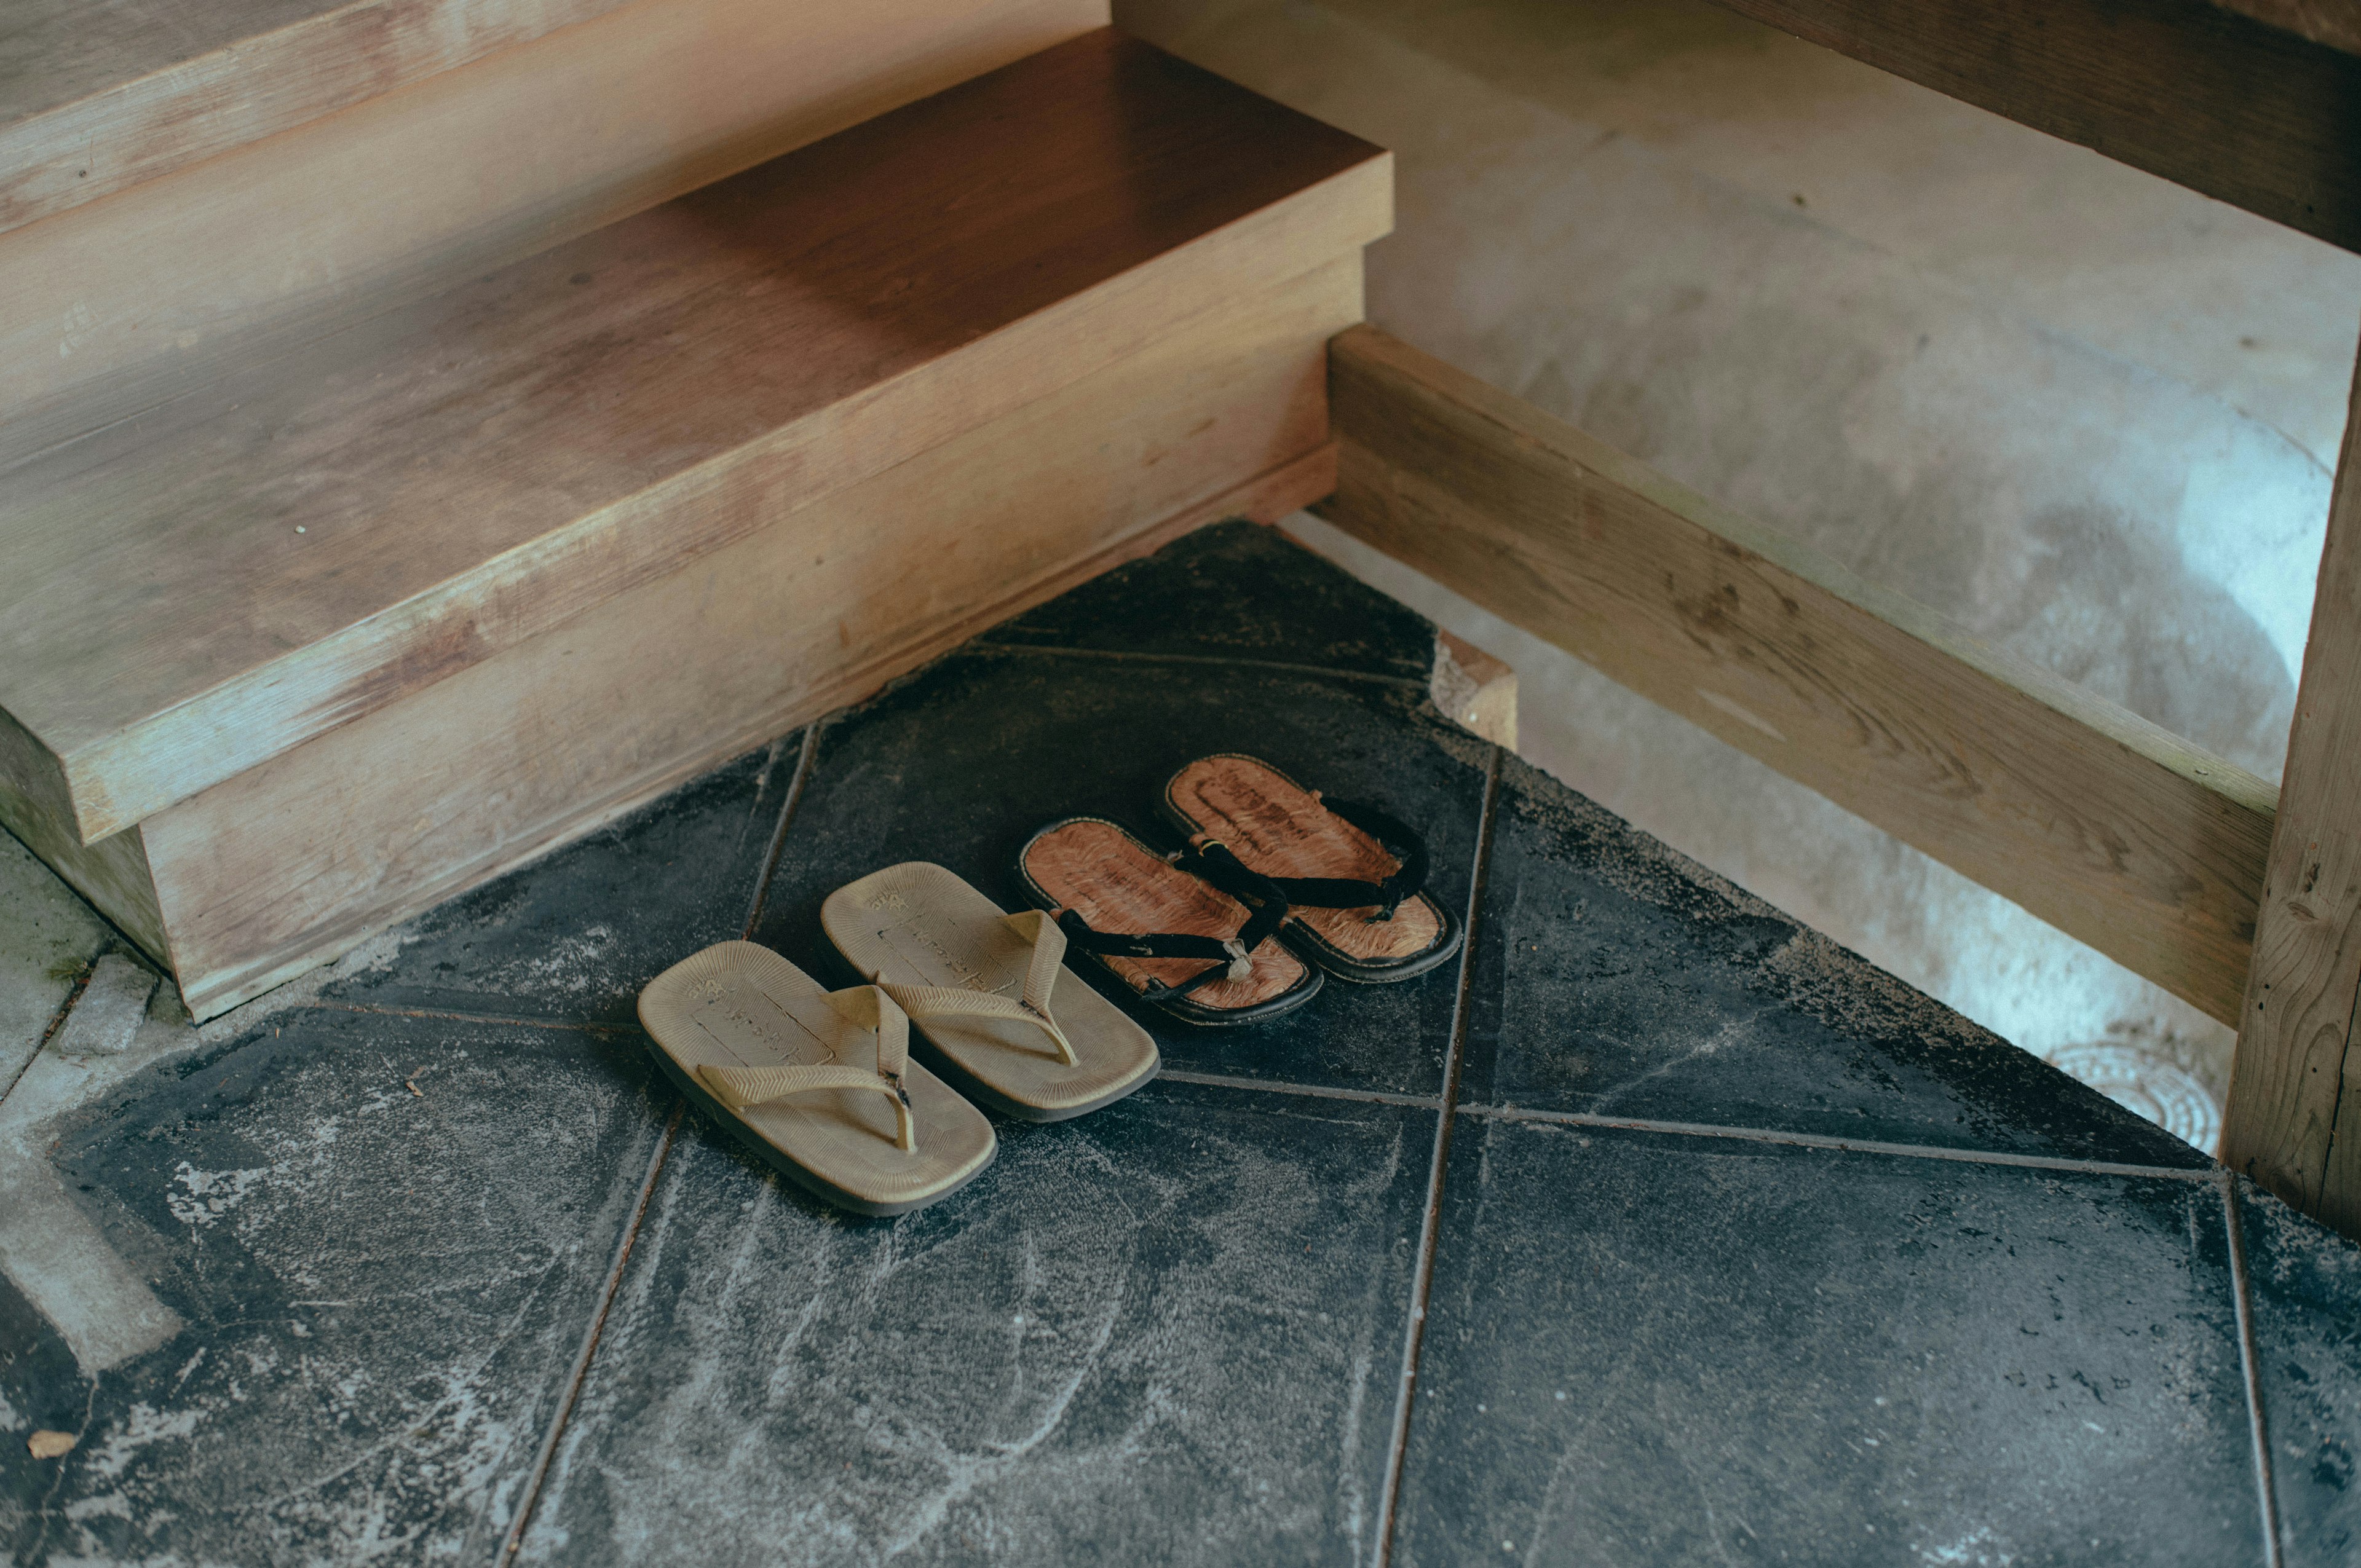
{"x": 1660, "y": 1230}
{"x": 2088, "y": 414}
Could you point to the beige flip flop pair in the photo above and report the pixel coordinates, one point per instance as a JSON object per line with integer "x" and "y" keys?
{"x": 820, "y": 1084}
{"x": 1278, "y": 886}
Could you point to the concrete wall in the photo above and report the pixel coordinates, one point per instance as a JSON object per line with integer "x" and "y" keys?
{"x": 2090, "y": 414}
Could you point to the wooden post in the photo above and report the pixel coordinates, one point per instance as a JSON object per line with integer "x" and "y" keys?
{"x": 2294, "y": 1118}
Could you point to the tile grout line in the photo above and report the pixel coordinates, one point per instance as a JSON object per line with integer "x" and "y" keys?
{"x": 530, "y": 1498}
{"x": 2250, "y": 1365}
{"x": 806, "y": 756}
{"x": 1847, "y": 1146}
{"x": 57, "y": 1022}
{"x": 1314, "y": 1091}
{"x": 1700, "y": 1129}
{"x": 1429, "y": 1221}
{"x": 502, "y": 1020}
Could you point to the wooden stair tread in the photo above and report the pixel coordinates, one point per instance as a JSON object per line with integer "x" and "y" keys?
{"x": 55, "y": 52}
{"x": 463, "y": 471}
{"x": 97, "y": 96}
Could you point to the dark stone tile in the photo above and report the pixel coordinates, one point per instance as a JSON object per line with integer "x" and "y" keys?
{"x": 2304, "y": 1282}
{"x": 1236, "y": 590}
{"x": 1169, "y": 1333}
{"x": 41, "y": 1390}
{"x": 1614, "y": 977}
{"x": 1768, "y": 1354}
{"x": 960, "y": 765}
{"x": 575, "y": 935}
{"x": 384, "y": 1292}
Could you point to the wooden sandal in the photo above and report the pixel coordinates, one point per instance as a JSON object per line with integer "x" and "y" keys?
{"x": 817, "y": 1083}
{"x": 1352, "y": 876}
{"x": 1190, "y": 932}
{"x": 982, "y": 986}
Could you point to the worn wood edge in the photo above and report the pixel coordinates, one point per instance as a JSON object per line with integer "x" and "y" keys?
{"x": 2293, "y": 1118}
{"x": 1474, "y": 690}
{"x": 2198, "y": 954}
{"x": 248, "y": 90}
{"x": 2263, "y": 111}
{"x": 2333, "y": 22}
{"x": 260, "y": 274}
{"x": 113, "y": 876}
{"x": 1267, "y": 497}
{"x": 121, "y": 778}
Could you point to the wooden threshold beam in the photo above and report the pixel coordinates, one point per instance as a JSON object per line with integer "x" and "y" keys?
{"x": 2294, "y": 1118}
{"x": 2210, "y": 95}
{"x": 2110, "y": 829}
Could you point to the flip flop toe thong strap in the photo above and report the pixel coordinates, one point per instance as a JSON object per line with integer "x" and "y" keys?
{"x": 867, "y": 1006}
{"x": 1040, "y": 978}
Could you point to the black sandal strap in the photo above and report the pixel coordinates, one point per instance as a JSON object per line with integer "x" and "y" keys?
{"x": 1400, "y": 839}
{"x": 1265, "y": 905}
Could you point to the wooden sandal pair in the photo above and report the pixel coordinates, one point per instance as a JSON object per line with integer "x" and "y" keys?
{"x": 821, "y": 1085}
{"x": 1277, "y": 886}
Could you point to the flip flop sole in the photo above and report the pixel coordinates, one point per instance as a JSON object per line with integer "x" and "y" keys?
{"x": 737, "y": 1005}
{"x": 810, "y": 1181}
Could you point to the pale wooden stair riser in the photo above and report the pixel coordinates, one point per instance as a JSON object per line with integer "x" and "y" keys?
{"x": 112, "y": 873}
{"x": 283, "y": 867}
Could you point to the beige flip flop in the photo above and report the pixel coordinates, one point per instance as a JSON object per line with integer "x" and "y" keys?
{"x": 982, "y": 987}
{"x": 817, "y": 1083}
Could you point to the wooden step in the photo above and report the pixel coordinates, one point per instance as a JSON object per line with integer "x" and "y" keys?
{"x": 96, "y": 97}
{"x": 270, "y": 166}
{"x": 354, "y": 628}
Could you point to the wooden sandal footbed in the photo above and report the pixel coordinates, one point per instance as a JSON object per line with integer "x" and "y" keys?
{"x": 1119, "y": 885}
{"x": 1277, "y": 828}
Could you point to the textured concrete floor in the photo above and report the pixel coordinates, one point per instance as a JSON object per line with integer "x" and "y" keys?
{"x": 1733, "y": 1250}
{"x": 2090, "y": 414}
{"x": 1660, "y": 1230}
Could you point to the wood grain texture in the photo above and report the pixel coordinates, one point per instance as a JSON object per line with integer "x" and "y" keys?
{"x": 188, "y": 596}
{"x": 1473, "y": 689}
{"x": 97, "y": 97}
{"x": 2105, "y": 825}
{"x": 2294, "y": 1122}
{"x": 132, "y": 299}
{"x": 112, "y": 874}
{"x": 2211, "y": 96}
{"x": 292, "y": 861}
